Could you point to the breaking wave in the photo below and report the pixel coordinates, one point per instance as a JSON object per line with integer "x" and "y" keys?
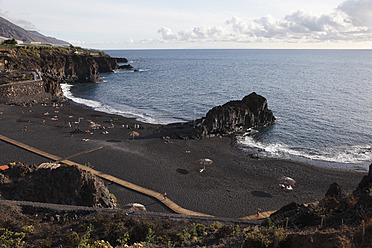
{"x": 66, "y": 88}
{"x": 360, "y": 155}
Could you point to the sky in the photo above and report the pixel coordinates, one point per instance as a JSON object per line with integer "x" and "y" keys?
{"x": 198, "y": 24}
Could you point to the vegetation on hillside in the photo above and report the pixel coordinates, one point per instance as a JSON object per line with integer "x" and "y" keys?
{"x": 120, "y": 230}
{"x": 11, "y": 42}
{"x": 36, "y": 49}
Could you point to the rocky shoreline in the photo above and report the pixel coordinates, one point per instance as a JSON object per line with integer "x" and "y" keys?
{"x": 56, "y": 66}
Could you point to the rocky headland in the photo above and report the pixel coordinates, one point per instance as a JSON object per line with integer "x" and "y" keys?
{"x": 55, "y": 65}
{"x": 63, "y": 65}
{"x": 334, "y": 210}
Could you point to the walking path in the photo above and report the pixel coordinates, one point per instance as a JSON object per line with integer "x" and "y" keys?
{"x": 167, "y": 202}
{"x": 35, "y": 207}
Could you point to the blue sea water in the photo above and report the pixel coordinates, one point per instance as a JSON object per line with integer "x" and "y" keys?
{"x": 322, "y": 98}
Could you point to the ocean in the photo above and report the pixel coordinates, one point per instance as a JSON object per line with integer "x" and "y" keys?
{"x": 322, "y": 99}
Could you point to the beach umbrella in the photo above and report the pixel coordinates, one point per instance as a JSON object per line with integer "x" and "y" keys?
{"x": 134, "y": 134}
{"x": 287, "y": 181}
{"x": 204, "y": 162}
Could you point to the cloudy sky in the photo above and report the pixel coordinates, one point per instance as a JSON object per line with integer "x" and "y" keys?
{"x": 142, "y": 24}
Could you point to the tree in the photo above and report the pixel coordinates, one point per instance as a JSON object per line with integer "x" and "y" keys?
{"x": 10, "y": 42}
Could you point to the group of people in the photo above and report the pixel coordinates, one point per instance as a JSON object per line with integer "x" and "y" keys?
{"x": 136, "y": 126}
{"x": 287, "y": 187}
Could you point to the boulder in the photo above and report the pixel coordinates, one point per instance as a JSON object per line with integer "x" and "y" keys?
{"x": 236, "y": 116}
{"x": 55, "y": 183}
{"x": 365, "y": 185}
{"x": 334, "y": 190}
{"x": 126, "y": 67}
{"x": 293, "y": 214}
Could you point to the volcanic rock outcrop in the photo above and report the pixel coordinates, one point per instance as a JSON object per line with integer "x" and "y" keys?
{"x": 335, "y": 208}
{"x": 236, "y": 116}
{"x": 56, "y": 66}
{"x": 54, "y": 183}
{"x": 62, "y": 65}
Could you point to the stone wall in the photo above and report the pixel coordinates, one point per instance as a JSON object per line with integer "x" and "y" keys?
{"x": 35, "y": 91}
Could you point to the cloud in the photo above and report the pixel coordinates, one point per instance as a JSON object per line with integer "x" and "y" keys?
{"x": 22, "y": 23}
{"x": 351, "y": 21}
{"x": 102, "y": 44}
{"x": 25, "y": 24}
{"x": 166, "y": 34}
{"x": 359, "y": 11}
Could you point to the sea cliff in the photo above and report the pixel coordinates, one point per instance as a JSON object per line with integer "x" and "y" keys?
{"x": 68, "y": 65}
{"x": 55, "y": 66}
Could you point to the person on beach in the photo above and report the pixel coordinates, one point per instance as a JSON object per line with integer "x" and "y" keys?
{"x": 164, "y": 196}
{"x": 258, "y": 212}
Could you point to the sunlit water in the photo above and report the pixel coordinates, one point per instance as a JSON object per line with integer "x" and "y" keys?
{"x": 322, "y": 98}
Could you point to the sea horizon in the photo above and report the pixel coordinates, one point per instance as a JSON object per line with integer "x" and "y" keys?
{"x": 310, "y": 79}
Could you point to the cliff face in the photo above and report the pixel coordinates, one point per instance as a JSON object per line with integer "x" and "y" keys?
{"x": 62, "y": 65}
{"x": 236, "y": 116}
{"x": 56, "y": 65}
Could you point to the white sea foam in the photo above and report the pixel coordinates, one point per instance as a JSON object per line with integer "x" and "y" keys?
{"x": 130, "y": 112}
{"x": 66, "y": 88}
{"x": 342, "y": 154}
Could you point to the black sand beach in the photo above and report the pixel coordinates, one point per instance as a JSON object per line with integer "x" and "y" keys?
{"x": 235, "y": 185}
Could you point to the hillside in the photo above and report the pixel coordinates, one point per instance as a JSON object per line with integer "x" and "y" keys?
{"x": 10, "y": 30}
{"x": 346, "y": 220}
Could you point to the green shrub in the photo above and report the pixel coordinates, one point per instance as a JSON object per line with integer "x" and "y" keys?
{"x": 263, "y": 237}
{"x": 9, "y": 42}
{"x": 28, "y": 229}
{"x": 124, "y": 239}
{"x": 150, "y": 237}
{"x": 215, "y": 226}
{"x": 11, "y": 239}
{"x": 84, "y": 241}
{"x": 72, "y": 240}
{"x": 198, "y": 229}
{"x": 101, "y": 244}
